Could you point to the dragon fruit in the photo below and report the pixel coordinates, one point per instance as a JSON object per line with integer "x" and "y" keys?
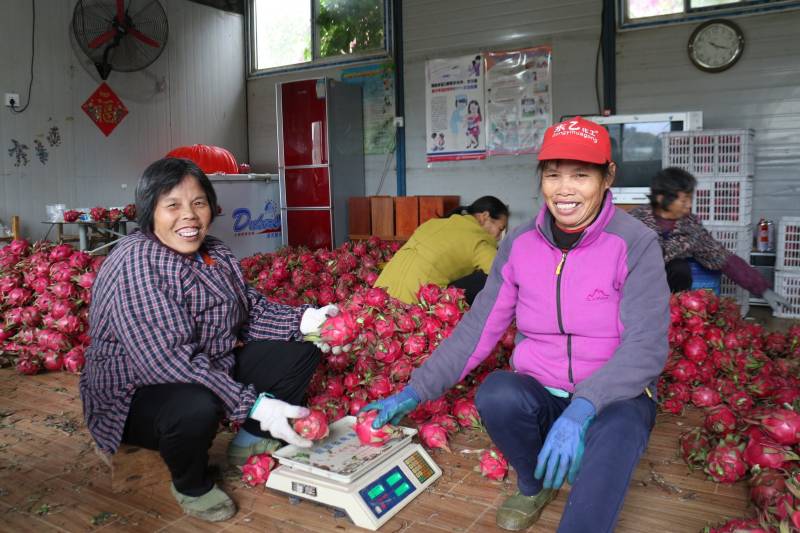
{"x": 312, "y": 427}
{"x": 762, "y": 451}
{"x": 74, "y": 360}
{"x": 71, "y": 215}
{"x": 720, "y": 420}
{"x": 28, "y": 365}
{"x": 433, "y": 436}
{"x": 257, "y": 469}
{"x": 766, "y": 487}
{"x": 725, "y": 462}
{"x": 52, "y": 361}
{"x": 130, "y": 211}
{"x": 369, "y": 436}
{"x": 98, "y": 214}
{"x": 115, "y": 215}
{"x": 339, "y": 330}
{"x": 783, "y": 425}
{"x": 493, "y": 464}
{"x": 466, "y": 413}
{"x": 694, "y": 445}
{"x": 61, "y": 252}
{"x": 705, "y": 397}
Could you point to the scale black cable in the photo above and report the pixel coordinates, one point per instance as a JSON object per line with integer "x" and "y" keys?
{"x": 33, "y": 52}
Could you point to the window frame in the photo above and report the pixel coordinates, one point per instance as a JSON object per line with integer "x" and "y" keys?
{"x": 690, "y": 15}
{"x": 316, "y": 62}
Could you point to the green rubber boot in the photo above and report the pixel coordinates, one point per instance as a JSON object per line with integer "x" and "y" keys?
{"x": 520, "y": 512}
{"x": 213, "y": 506}
{"x": 238, "y": 455}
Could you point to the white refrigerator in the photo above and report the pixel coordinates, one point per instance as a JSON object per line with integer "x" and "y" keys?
{"x": 250, "y": 218}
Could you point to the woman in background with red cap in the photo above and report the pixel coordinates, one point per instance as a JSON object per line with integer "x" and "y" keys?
{"x": 586, "y": 284}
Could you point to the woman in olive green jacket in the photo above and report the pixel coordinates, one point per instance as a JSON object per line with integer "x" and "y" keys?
{"x": 455, "y": 250}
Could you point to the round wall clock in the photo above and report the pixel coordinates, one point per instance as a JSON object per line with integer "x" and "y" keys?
{"x": 716, "y": 45}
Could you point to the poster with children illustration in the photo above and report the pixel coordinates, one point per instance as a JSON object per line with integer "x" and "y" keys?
{"x": 518, "y": 102}
{"x": 454, "y": 104}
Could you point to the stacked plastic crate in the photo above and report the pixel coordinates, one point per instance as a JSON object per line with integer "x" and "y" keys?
{"x": 723, "y": 162}
{"x": 787, "y": 274}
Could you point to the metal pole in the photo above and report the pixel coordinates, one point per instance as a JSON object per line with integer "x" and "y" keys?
{"x": 399, "y": 96}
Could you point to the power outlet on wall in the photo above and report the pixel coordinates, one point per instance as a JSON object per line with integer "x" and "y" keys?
{"x": 12, "y": 100}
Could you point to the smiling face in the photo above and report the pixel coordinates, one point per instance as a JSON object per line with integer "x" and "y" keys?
{"x": 574, "y": 191}
{"x": 182, "y": 216}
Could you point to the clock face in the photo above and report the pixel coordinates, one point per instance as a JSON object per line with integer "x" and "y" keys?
{"x": 716, "y": 45}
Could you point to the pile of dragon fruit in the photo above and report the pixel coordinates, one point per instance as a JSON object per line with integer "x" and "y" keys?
{"x": 746, "y": 382}
{"x": 45, "y": 291}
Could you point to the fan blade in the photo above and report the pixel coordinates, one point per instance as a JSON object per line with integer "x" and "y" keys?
{"x": 120, "y": 11}
{"x": 103, "y": 38}
{"x": 144, "y": 38}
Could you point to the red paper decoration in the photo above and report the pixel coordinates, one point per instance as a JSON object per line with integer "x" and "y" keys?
{"x": 105, "y": 109}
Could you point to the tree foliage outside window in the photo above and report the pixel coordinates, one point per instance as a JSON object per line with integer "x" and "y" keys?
{"x": 299, "y": 32}
{"x": 350, "y": 26}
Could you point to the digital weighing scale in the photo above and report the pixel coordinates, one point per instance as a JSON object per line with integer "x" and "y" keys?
{"x": 370, "y": 484}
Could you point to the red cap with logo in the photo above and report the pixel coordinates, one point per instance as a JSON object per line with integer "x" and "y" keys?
{"x": 578, "y": 139}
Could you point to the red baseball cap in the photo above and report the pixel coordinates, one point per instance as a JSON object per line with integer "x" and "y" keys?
{"x": 578, "y": 139}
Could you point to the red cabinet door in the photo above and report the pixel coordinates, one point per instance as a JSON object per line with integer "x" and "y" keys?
{"x": 307, "y": 187}
{"x": 304, "y": 127}
{"x": 310, "y": 228}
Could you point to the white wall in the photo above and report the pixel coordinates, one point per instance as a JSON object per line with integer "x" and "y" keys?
{"x": 193, "y": 93}
{"x": 653, "y": 74}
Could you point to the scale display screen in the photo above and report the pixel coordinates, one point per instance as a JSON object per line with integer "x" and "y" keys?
{"x": 387, "y": 491}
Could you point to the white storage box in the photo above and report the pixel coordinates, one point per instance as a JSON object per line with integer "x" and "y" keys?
{"x": 787, "y": 284}
{"x": 788, "y": 257}
{"x": 710, "y": 153}
{"x": 724, "y": 201}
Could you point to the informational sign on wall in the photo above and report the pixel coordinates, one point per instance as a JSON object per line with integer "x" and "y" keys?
{"x": 518, "y": 100}
{"x": 455, "y": 107}
{"x": 377, "y": 83}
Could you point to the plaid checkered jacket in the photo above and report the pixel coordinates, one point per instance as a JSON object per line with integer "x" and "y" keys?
{"x": 160, "y": 317}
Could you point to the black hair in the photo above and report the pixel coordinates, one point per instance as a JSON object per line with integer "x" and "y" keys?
{"x": 668, "y": 183}
{"x": 603, "y": 169}
{"x": 161, "y": 177}
{"x": 492, "y": 205}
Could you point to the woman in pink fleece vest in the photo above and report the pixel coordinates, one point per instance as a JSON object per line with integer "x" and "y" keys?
{"x": 586, "y": 285}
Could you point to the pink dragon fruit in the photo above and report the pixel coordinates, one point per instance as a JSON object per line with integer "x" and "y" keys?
{"x": 705, "y": 397}
{"x": 433, "y": 436}
{"x": 130, "y": 211}
{"x": 28, "y": 365}
{"x": 376, "y": 297}
{"x": 763, "y": 452}
{"x": 98, "y": 214}
{"x": 312, "y": 427}
{"x": 726, "y": 462}
{"x": 694, "y": 445}
{"x": 766, "y": 487}
{"x": 74, "y": 360}
{"x": 71, "y": 215}
{"x": 783, "y": 425}
{"x": 61, "y": 253}
{"x": 369, "y": 436}
{"x": 52, "y": 361}
{"x": 466, "y": 413}
{"x": 720, "y": 420}
{"x": 493, "y": 464}
{"x": 257, "y": 469}
{"x": 339, "y": 330}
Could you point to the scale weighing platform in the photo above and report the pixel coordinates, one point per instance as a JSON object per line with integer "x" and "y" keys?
{"x": 370, "y": 484}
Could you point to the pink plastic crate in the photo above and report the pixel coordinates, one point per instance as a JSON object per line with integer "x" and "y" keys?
{"x": 710, "y": 153}
{"x": 724, "y": 201}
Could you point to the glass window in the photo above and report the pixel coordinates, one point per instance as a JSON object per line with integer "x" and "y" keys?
{"x": 653, "y": 8}
{"x": 302, "y": 32}
{"x": 635, "y": 13}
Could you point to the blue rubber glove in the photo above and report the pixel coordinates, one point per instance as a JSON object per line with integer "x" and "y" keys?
{"x": 563, "y": 447}
{"x": 393, "y": 408}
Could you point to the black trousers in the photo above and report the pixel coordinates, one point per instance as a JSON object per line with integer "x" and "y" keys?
{"x": 180, "y": 420}
{"x": 472, "y": 285}
{"x": 679, "y": 275}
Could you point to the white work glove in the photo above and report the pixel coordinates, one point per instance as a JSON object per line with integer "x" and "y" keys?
{"x": 313, "y": 318}
{"x": 776, "y": 301}
{"x": 273, "y": 416}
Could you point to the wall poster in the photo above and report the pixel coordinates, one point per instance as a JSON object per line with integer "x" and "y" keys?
{"x": 518, "y": 100}
{"x": 455, "y": 108}
{"x": 377, "y": 84}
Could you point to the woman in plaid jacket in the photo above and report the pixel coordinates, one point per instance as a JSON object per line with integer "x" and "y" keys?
{"x": 180, "y": 342}
{"x": 683, "y": 237}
